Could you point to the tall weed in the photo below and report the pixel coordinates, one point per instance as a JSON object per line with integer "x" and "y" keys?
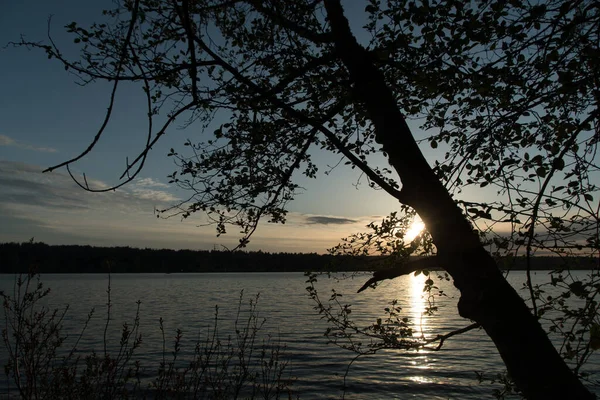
{"x": 240, "y": 364}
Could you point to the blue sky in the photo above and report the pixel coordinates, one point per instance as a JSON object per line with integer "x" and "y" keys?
{"x": 46, "y": 118}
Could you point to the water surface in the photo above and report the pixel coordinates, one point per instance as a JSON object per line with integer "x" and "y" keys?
{"x": 187, "y": 301}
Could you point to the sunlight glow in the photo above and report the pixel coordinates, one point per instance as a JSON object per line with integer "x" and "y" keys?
{"x": 414, "y": 230}
{"x": 422, "y": 379}
{"x": 418, "y": 303}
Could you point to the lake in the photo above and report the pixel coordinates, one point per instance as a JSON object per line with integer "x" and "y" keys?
{"x": 187, "y": 301}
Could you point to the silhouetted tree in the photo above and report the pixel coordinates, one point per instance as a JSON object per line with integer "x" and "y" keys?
{"x": 509, "y": 88}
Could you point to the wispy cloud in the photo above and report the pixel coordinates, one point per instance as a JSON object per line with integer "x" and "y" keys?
{"x": 149, "y": 182}
{"x": 25, "y": 184}
{"x": 150, "y": 189}
{"x": 324, "y": 220}
{"x": 8, "y": 141}
{"x": 159, "y": 196}
{"x": 50, "y": 207}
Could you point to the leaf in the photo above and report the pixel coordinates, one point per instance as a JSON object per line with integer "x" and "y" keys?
{"x": 579, "y": 289}
{"x": 541, "y": 172}
{"x": 558, "y": 164}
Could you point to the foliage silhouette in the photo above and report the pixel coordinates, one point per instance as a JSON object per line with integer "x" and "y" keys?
{"x": 509, "y": 91}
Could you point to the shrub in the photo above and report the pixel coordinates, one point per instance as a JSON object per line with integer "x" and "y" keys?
{"x": 242, "y": 364}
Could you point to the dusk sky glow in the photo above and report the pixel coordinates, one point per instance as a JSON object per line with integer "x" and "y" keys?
{"x": 46, "y": 118}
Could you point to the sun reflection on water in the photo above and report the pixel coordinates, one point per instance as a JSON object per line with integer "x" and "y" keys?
{"x": 421, "y": 362}
{"x": 418, "y": 304}
{"x": 421, "y": 379}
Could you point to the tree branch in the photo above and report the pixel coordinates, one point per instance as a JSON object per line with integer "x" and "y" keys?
{"x": 278, "y": 19}
{"x": 305, "y": 119}
{"x": 402, "y": 269}
{"x": 298, "y": 72}
{"x": 184, "y": 17}
{"x": 126, "y": 42}
{"x": 443, "y": 338}
{"x": 287, "y": 176}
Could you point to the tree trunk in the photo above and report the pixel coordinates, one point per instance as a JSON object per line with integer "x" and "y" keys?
{"x": 486, "y": 297}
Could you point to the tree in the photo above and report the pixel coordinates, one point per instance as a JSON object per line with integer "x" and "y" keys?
{"x": 510, "y": 89}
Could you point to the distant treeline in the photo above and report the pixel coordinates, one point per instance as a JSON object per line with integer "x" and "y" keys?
{"x": 20, "y": 257}
{"x": 43, "y": 258}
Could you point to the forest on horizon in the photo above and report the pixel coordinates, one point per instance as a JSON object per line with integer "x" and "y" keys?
{"x": 44, "y": 258}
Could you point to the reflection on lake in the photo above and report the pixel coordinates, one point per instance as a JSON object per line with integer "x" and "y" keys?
{"x": 418, "y": 304}
{"x": 187, "y": 301}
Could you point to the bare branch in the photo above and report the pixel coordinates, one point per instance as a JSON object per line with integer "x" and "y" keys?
{"x": 443, "y": 338}
{"x": 126, "y": 43}
{"x": 184, "y": 17}
{"x": 402, "y": 269}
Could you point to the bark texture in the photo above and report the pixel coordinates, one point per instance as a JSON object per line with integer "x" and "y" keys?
{"x": 486, "y": 296}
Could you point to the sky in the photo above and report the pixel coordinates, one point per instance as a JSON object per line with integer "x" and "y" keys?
{"x": 47, "y": 118}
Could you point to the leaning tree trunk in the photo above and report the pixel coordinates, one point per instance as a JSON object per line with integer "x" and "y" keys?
{"x": 486, "y": 297}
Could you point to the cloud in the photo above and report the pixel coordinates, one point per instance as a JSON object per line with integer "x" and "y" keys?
{"x": 149, "y": 182}
{"x": 323, "y": 220}
{"x": 147, "y": 189}
{"x": 159, "y": 196}
{"x": 23, "y": 185}
{"x": 51, "y": 208}
{"x": 8, "y": 141}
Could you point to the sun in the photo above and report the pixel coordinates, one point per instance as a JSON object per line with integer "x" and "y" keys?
{"x": 415, "y": 228}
